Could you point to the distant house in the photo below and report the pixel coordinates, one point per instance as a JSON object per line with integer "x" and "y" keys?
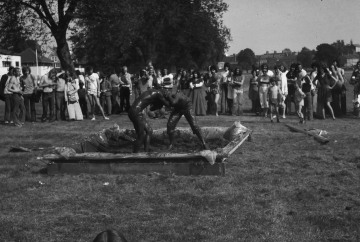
{"x": 271, "y": 59}
{"x": 357, "y": 48}
{"x": 40, "y": 67}
{"x": 7, "y": 59}
{"x": 231, "y": 59}
{"x": 351, "y": 60}
{"x": 55, "y": 59}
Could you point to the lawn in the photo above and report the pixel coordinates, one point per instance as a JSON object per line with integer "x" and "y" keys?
{"x": 282, "y": 186}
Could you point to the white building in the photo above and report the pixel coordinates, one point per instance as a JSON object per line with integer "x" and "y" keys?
{"x": 8, "y": 59}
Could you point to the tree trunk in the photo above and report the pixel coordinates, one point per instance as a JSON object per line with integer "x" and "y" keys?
{"x": 63, "y": 53}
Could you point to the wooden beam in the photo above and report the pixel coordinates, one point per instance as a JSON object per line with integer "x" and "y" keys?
{"x": 318, "y": 138}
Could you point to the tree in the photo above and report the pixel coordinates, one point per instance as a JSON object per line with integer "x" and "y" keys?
{"x": 187, "y": 33}
{"x": 326, "y": 53}
{"x": 305, "y": 57}
{"x": 246, "y": 59}
{"x": 56, "y": 15}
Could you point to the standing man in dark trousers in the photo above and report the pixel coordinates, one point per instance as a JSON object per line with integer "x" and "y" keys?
{"x": 125, "y": 90}
{"x": 6, "y": 96}
{"x": 29, "y": 85}
{"x": 60, "y": 96}
{"x": 48, "y": 83}
{"x": 115, "y": 92}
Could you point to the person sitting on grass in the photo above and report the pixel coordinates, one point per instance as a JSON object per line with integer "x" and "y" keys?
{"x": 275, "y": 98}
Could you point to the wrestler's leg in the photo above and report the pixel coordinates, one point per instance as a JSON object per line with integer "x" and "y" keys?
{"x": 171, "y": 125}
{"x": 195, "y": 128}
{"x": 148, "y": 134}
{"x": 139, "y": 127}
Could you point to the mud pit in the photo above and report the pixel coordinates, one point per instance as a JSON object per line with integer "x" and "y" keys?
{"x": 114, "y": 140}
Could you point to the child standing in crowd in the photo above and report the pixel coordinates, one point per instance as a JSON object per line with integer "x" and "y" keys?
{"x": 275, "y": 98}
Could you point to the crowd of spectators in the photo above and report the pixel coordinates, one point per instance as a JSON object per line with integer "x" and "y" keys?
{"x": 77, "y": 96}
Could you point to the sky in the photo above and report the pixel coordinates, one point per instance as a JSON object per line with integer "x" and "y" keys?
{"x": 273, "y": 25}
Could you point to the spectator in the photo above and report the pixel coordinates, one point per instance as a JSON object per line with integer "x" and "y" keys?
{"x": 338, "y": 90}
{"x": 264, "y": 81}
{"x": 198, "y": 94}
{"x": 60, "y": 96}
{"x": 238, "y": 91}
{"x": 315, "y": 83}
{"x": 254, "y": 91}
{"x": 93, "y": 90}
{"x": 167, "y": 80}
{"x": 18, "y": 107}
{"x": 214, "y": 92}
{"x": 275, "y": 97}
{"x": 325, "y": 79}
{"x": 125, "y": 90}
{"x": 224, "y": 89}
{"x": 29, "y": 84}
{"x": 184, "y": 83}
{"x": 48, "y": 83}
{"x": 5, "y": 80}
{"x": 291, "y": 80}
{"x": 115, "y": 92}
{"x": 72, "y": 98}
{"x": 105, "y": 96}
{"x": 83, "y": 100}
{"x": 80, "y": 77}
{"x": 341, "y": 74}
{"x": 280, "y": 75}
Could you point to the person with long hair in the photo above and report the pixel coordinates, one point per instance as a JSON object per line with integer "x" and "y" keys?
{"x": 198, "y": 94}
{"x": 214, "y": 92}
{"x": 338, "y": 89}
{"x": 237, "y": 86}
{"x": 5, "y": 80}
{"x": 29, "y": 85}
{"x": 254, "y": 91}
{"x": 93, "y": 90}
{"x": 223, "y": 89}
{"x": 18, "y": 107}
{"x": 264, "y": 81}
{"x": 280, "y": 76}
{"x": 72, "y": 97}
{"x": 48, "y": 83}
{"x": 291, "y": 80}
{"x": 325, "y": 79}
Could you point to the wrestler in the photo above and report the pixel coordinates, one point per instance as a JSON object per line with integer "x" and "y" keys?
{"x": 137, "y": 115}
{"x": 181, "y": 105}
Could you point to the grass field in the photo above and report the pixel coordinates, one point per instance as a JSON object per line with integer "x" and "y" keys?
{"x": 283, "y": 186}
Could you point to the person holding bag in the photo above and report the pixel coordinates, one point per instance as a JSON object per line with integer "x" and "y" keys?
{"x": 72, "y": 97}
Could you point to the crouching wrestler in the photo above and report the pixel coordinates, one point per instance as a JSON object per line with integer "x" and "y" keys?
{"x": 182, "y": 106}
{"x": 137, "y": 115}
